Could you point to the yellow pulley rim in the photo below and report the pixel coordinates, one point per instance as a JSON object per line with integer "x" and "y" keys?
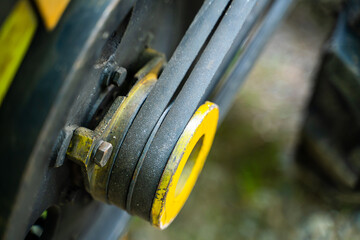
{"x": 184, "y": 165}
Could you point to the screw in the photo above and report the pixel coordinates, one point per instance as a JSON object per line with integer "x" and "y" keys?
{"x": 102, "y": 153}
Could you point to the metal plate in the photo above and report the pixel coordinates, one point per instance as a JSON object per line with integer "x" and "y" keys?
{"x": 16, "y": 33}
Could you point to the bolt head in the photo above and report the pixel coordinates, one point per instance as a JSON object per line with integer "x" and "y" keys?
{"x": 112, "y": 75}
{"x": 118, "y": 77}
{"x": 103, "y": 153}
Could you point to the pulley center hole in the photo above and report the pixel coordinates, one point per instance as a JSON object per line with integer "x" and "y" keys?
{"x": 190, "y": 163}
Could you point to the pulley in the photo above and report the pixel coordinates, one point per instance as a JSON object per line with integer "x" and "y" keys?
{"x": 96, "y": 151}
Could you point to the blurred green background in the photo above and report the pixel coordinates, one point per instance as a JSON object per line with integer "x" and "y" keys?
{"x": 246, "y": 190}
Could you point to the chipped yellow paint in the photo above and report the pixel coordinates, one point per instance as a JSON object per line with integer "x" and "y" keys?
{"x": 15, "y": 37}
{"x": 137, "y": 91}
{"x": 114, "y": 124}
{"x": 51, "y": 11}
{"x": 169, "y": 199}
{"x": 115, "y": 127}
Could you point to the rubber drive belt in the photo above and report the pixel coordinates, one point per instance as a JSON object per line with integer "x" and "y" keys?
{"x": 160, "y": 97}
{"x": 186, "y": 103}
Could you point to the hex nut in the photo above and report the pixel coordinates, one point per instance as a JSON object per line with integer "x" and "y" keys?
{"x": 103, "y": 153}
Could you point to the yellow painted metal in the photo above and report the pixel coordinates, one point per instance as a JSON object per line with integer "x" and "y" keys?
{"x": 15, "y": 37}
{"x": 111, "y": 129}
{"x": 184, "y": 165}
{"x": 81, "y": 146}
{"x": 114, "y": 126}
{"x": 51, "y": 11}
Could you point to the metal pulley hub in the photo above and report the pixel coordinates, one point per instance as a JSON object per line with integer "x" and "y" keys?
{"x": 96, "y": 151}
{"x": 85, "y": 146}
